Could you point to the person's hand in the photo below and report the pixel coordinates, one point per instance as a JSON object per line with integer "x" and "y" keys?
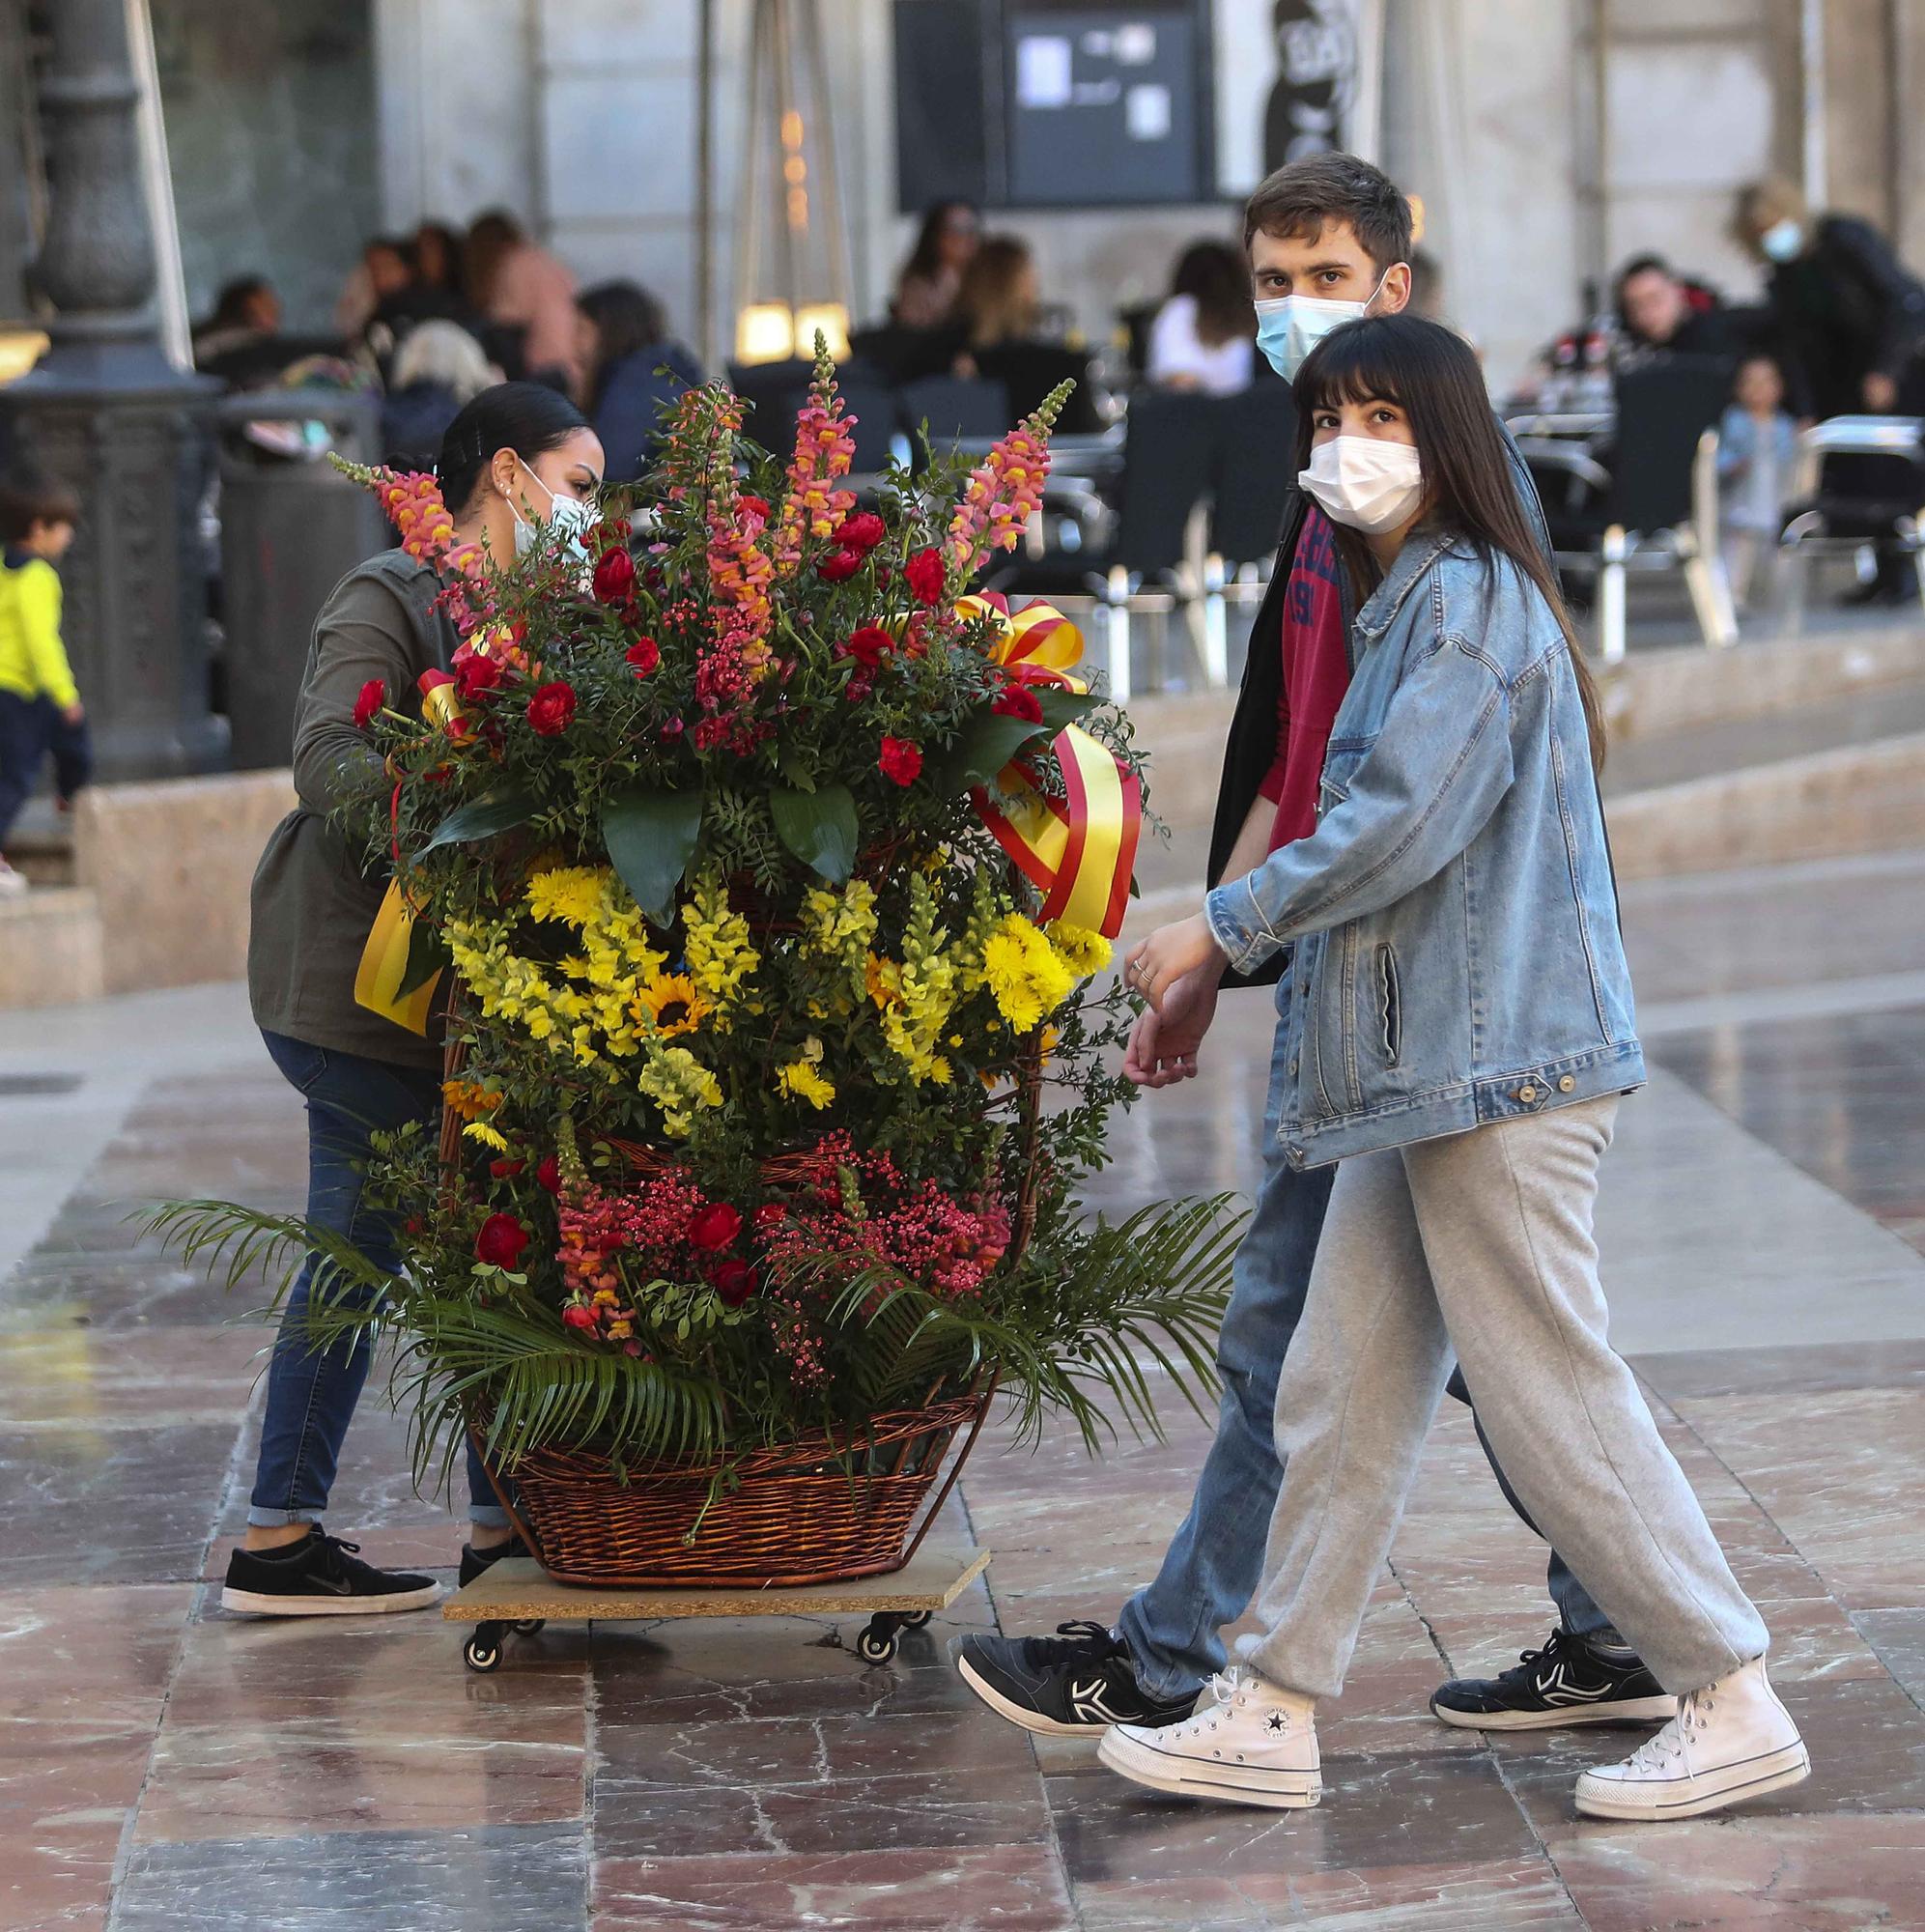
{"x": 1172, "y": 952}
{"x": 1881, "y": 393}
{"x": 75, "y": 713}
{"x": 1163, "y": 1046}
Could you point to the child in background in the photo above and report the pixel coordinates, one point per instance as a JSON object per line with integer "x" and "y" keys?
{"x": 39, "y": 708}
{"x": 1757, "y": 449}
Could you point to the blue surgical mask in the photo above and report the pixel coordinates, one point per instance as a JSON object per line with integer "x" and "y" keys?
{"x": 1291, "y": 326}
{"x": 1783, "y": 240}
{"x": 565, "y": 514}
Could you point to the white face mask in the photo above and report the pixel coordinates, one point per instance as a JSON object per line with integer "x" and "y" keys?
{"x": 1291, "y": 326}
{"x": 564, "y": 514}
{"x": 1364, "y": 482}
{"x": 1783, "y": 240}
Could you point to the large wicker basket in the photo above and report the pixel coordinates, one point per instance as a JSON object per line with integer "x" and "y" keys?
{"x": 785, "y": 1515}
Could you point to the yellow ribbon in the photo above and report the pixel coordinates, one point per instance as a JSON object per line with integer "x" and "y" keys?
{"x": 384, "y": 967}
{"x": 1077, "y": 849}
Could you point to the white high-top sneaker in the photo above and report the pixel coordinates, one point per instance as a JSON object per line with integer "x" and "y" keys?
{"x": 1731, "y": 1741}
{"x": 1255, "y": 1744}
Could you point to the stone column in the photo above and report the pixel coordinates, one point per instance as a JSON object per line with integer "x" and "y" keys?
{"x": 107, "y": 414}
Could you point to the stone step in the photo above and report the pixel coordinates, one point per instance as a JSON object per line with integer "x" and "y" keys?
{"x": 45, "y": 856}
{"x": 52, "y": 948}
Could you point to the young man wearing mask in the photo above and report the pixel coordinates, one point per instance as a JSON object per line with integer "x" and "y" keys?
{"x": 1329, "y": 240}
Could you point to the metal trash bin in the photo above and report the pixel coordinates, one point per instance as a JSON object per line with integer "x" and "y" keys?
{"x": 291, "y": 528}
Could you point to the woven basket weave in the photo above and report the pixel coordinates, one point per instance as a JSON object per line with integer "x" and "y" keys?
{"x": 787, "y": 1516}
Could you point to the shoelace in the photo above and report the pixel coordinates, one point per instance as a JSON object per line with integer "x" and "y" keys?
{"x": 1668, "y": 1747}
{"x": 1079, "y": 1638}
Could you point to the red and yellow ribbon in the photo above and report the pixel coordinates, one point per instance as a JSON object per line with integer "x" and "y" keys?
{"x": 1079, "y": 849}
{"x": 384, "y": 967}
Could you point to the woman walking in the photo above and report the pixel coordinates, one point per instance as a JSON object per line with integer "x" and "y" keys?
{"x": 516, "y": 456}
{"x": 1459, "y": 1033}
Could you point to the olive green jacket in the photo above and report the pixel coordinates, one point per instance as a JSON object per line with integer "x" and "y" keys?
{"x": 313, "y": 902}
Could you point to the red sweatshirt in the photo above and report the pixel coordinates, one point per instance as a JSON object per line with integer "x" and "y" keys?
{"x": 1316, "y": 674}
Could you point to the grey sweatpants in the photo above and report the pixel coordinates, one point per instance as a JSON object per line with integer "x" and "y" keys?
{"x": 1479, "y": 1245}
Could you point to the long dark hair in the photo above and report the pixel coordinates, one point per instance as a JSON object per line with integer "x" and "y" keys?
{"x": 927, "y": 257}
{"x": 1470, "y": 482}
{"x": 1217, "y": 278}
{"x": 526, "y": 417}
{"x": 627, "y": 320}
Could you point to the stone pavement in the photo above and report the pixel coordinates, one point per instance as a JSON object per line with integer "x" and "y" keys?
{"x": 165, "y": 1768}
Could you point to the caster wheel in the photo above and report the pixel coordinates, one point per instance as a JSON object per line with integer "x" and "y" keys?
{"x": 917, "y": 1620}
{"x": 482, "y": 1656}
{"x": 528, "y": 1625}
{"x": 874, "y": 1646}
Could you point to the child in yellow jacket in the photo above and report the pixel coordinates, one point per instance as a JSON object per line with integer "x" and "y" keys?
{"x": 40, "y": 709}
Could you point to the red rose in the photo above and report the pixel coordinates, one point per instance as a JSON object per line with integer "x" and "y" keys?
{"x": 1018, "y": 700}
{"x": 863, "y": 531}
{"x": 500, "y": 1241}
{"x": 869, "y": 646}
{"x": 614, "y": 576}
{"x": 754, "y": 510}
{"x": 374, "y": 695}
{"x": 643, "y": 655}
{"x": 715, "y": 1226}
{"x": 839, "y": 565}
{"x": 925, "y": 575}
{"x": 551, "y": 709}
{"x": 548, "y": 1175}
{"x": 576, "y": 1316}
{"x": 475, "y": 671}
{"x": 900, "y": 760}
{"x": 733, "y": 1281}
{"x": 505, "y": 1170}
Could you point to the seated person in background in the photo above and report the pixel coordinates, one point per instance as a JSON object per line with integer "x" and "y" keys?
{"x": 932, "y": 276}
{"x": 1657, "y": 309}
{"x": 1001, "y": 307}
{"x": 1205, "y": 336}
{"x": 1000, "y": 299}
{"x": 431, "y": 292}
{"x": 623, "y": 343}
{"x": 247, "y": 313}
{"x": 384, "y": 270}
{"x": 528, "y": 295}
{"x": 440, "y": 256}
{"x": 438, "y": 369}
{"x": 1757, "y": 453}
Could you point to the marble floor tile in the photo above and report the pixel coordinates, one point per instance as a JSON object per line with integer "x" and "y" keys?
{"x": 462, "y": 1881}
{"x": 1746, "y": 1873}
{"x": 1898, "y": 1636}
{"x": 988, "y": 1888}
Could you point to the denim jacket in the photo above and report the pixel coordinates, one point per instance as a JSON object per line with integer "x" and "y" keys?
{"x": 1458, "y": 959}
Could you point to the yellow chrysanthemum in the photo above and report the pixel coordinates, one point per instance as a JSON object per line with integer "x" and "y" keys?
{"x": 570, "y": 893}
{"x": 673, "y": 1004}
{"x": 480, "y": 1131}
{"x": 798, "y": 1080}
{"x": 1083, "y": 951}
{"x": 1025, "y": 977}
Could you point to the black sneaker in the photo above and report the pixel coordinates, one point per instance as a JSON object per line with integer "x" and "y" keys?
{"x": 1074, "y": 1684}
{"x": 478, "y": 1562}
{"x": 320, "y": 1577}
{"x": 1567, "y": 1682}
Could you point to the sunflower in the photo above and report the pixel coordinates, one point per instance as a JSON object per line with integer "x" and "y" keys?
{"x": 673, "y": 1004}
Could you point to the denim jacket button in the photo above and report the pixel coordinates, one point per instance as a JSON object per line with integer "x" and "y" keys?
{"x": 1527, "y": 1093}
{"x": 1566, "y": 1082}
{"x": 1293, "y": 1066}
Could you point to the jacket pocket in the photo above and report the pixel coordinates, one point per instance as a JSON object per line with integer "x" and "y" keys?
{"x": 1388, "y": 1006}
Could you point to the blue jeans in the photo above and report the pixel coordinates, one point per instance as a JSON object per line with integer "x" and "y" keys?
{"x": 312, "y": 1390}
{"x": 1212, "y": 1566}
{"x": 31, "y": 729}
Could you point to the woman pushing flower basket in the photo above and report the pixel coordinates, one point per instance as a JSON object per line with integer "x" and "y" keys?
{"x": 760, "y": 873}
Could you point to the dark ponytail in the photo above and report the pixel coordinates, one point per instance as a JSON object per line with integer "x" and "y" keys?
{"x": 525, "y": 417}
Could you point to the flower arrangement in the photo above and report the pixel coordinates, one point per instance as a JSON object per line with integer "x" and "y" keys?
{"x": 746, "y": 845}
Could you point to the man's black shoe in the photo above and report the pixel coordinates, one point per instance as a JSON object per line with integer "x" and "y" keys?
{"x": 1567, "y": 1682}
{"x": 477, "y": 1562}
{"x": 1074, "y": 1684}
{"x": 320, "y": 1577}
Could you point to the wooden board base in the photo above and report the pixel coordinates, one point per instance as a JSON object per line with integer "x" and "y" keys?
{"x": 514, "y": 1590}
